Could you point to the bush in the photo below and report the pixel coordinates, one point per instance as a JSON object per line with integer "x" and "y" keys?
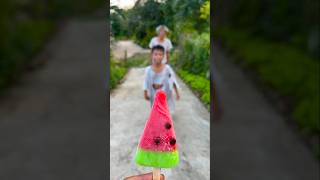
{"x": 193, "y": 55}
{"x": 192, "y": 63}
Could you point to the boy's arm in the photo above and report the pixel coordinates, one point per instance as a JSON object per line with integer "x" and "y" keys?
{"x": 173, "y": 77}
{"x": 145, "y": 84}
{"x": 176, "y": 90}
{"x": 146, "y": 96}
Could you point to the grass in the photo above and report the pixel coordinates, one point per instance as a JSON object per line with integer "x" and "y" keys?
{"x": 138, "y": 60}
{"x": 198, "y": 84}
{"x": 118, "y": 69}
{"x": 117, "y": 72}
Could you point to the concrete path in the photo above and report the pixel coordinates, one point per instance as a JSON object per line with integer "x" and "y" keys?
{"x": 253, "y": 142}
{"x": 53, "y": 122}
{"x": 128, "y": 114}
{"x": 120, "y": 47}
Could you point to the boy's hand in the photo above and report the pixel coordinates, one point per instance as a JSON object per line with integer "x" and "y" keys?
{"x": 178, "y": 97}
{"x": 146, "y": 97}
{"x": 147, "y": 176}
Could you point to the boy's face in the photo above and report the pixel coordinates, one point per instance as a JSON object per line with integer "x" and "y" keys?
{"x": 157, "y": 56}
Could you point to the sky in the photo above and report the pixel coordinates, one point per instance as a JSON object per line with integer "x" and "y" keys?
{"x": 123, "y": 4}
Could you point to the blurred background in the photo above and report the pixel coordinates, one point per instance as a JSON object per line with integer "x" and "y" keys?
{"x": 266, "y": 75}
{"x": 277, "y": 43}
{"x": 26, "y": 25}
{"x": 53, "y": 89}
{"x": 267, "y": 65}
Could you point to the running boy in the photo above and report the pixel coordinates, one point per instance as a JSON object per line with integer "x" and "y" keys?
{"x": 160, "y": 76}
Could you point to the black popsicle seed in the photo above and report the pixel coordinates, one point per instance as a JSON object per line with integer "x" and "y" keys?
{"x": 157, "y": 140}
{"x": 172, "y": 141}
{"x": 168, "y": 125}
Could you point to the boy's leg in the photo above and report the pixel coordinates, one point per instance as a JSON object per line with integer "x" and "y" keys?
{"x": 151, "y": 99}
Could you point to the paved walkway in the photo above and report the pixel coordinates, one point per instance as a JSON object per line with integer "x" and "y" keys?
{"x": 253, "y": 142}
{"x": 119, "y": 48}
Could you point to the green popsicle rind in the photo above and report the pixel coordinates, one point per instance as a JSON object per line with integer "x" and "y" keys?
{"x": 157, "y": 158}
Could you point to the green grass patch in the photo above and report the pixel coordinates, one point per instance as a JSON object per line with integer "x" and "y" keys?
{"x": 138, "y": 60}
{"x": 118, "y": 69}
{"x": 198, "y": 84}
{"x": 117, "y": 72}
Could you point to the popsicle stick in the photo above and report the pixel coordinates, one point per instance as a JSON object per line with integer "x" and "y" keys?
{"x": 156, "y": 174}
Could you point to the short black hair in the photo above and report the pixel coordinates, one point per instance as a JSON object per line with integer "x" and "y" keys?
{"x": 157, "y": 47}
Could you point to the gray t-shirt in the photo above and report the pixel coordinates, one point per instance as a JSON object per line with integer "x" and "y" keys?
{"x": 166, "y": 78}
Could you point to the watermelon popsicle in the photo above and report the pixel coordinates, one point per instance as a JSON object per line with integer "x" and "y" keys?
{"x": 157, "y": 146}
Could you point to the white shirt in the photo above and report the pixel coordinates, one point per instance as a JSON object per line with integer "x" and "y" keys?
{"x": 167, "y": 45}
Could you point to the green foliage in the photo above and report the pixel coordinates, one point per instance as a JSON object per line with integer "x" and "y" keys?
{"x": 117, "y": 72}
{"x": 118, "y": 69}
{"x": 193, "y": 54}
{"x": 269, "y": 19}
{"x": 138, "y": 60}
{"x": 307, "y": 115}
{"x": 284, "y": 68}
{"x": 118, "y": 21}
{"x": 27, "y": 39}
{"x": 198, "y": 83}
{"x": 143, "y": 39}
{"x": 143, "y": 20}
{"x": 205, "y": 11}
{"x": 180, "y": 16}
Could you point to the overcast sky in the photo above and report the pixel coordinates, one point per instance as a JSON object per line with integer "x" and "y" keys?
{"x": 124, "y": 4}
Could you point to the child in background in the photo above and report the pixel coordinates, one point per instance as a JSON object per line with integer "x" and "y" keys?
{"x": 160, "y": 76}
{"x": 162, "y": 40}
